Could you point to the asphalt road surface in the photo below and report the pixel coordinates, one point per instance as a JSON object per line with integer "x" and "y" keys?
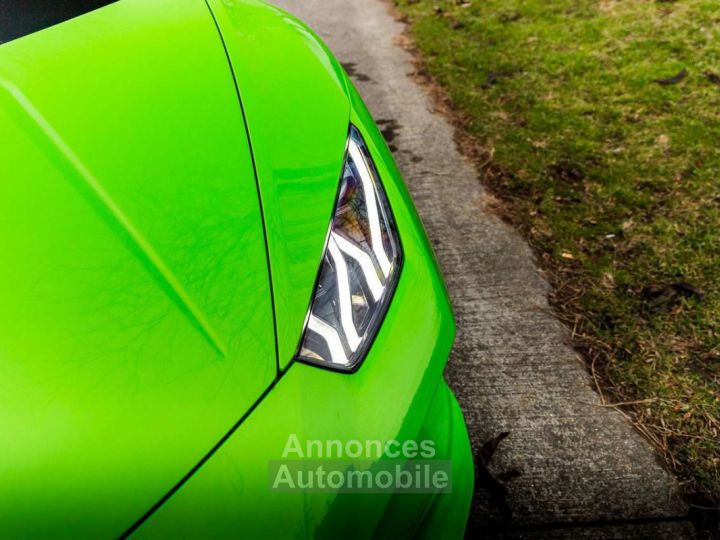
{"x": 569, "y": 466}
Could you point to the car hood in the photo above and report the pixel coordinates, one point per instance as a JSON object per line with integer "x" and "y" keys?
{"x": 136, "y": 320}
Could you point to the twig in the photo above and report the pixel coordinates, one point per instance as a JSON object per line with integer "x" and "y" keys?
{"x": 620, "y": 404}
{"x": 597, "y": 383}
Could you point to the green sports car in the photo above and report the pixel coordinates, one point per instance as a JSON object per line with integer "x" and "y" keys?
{"x": 218, "y": 307}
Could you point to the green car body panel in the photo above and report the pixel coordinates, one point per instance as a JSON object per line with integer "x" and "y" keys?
{"x": 136, "y": 319}
{"x": 169, "y": 172}
{"x": 295, "y": 100}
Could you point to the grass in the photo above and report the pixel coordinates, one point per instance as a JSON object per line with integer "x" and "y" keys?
{"x": 608, "y": 158}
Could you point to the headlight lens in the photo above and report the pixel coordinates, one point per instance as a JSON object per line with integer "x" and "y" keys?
{"x": 360, "y": 266}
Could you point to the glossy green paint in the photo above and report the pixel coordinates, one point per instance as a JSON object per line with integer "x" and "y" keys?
{"x": 398, "y": 393}
{"x": 295, "y": 100}
{"x": 135, "y": 324}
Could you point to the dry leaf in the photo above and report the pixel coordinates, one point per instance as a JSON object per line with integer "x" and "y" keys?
{"x": 663, "y": 140}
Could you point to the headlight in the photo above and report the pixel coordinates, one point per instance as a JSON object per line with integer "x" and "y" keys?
{"x": 360, "y": 266}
